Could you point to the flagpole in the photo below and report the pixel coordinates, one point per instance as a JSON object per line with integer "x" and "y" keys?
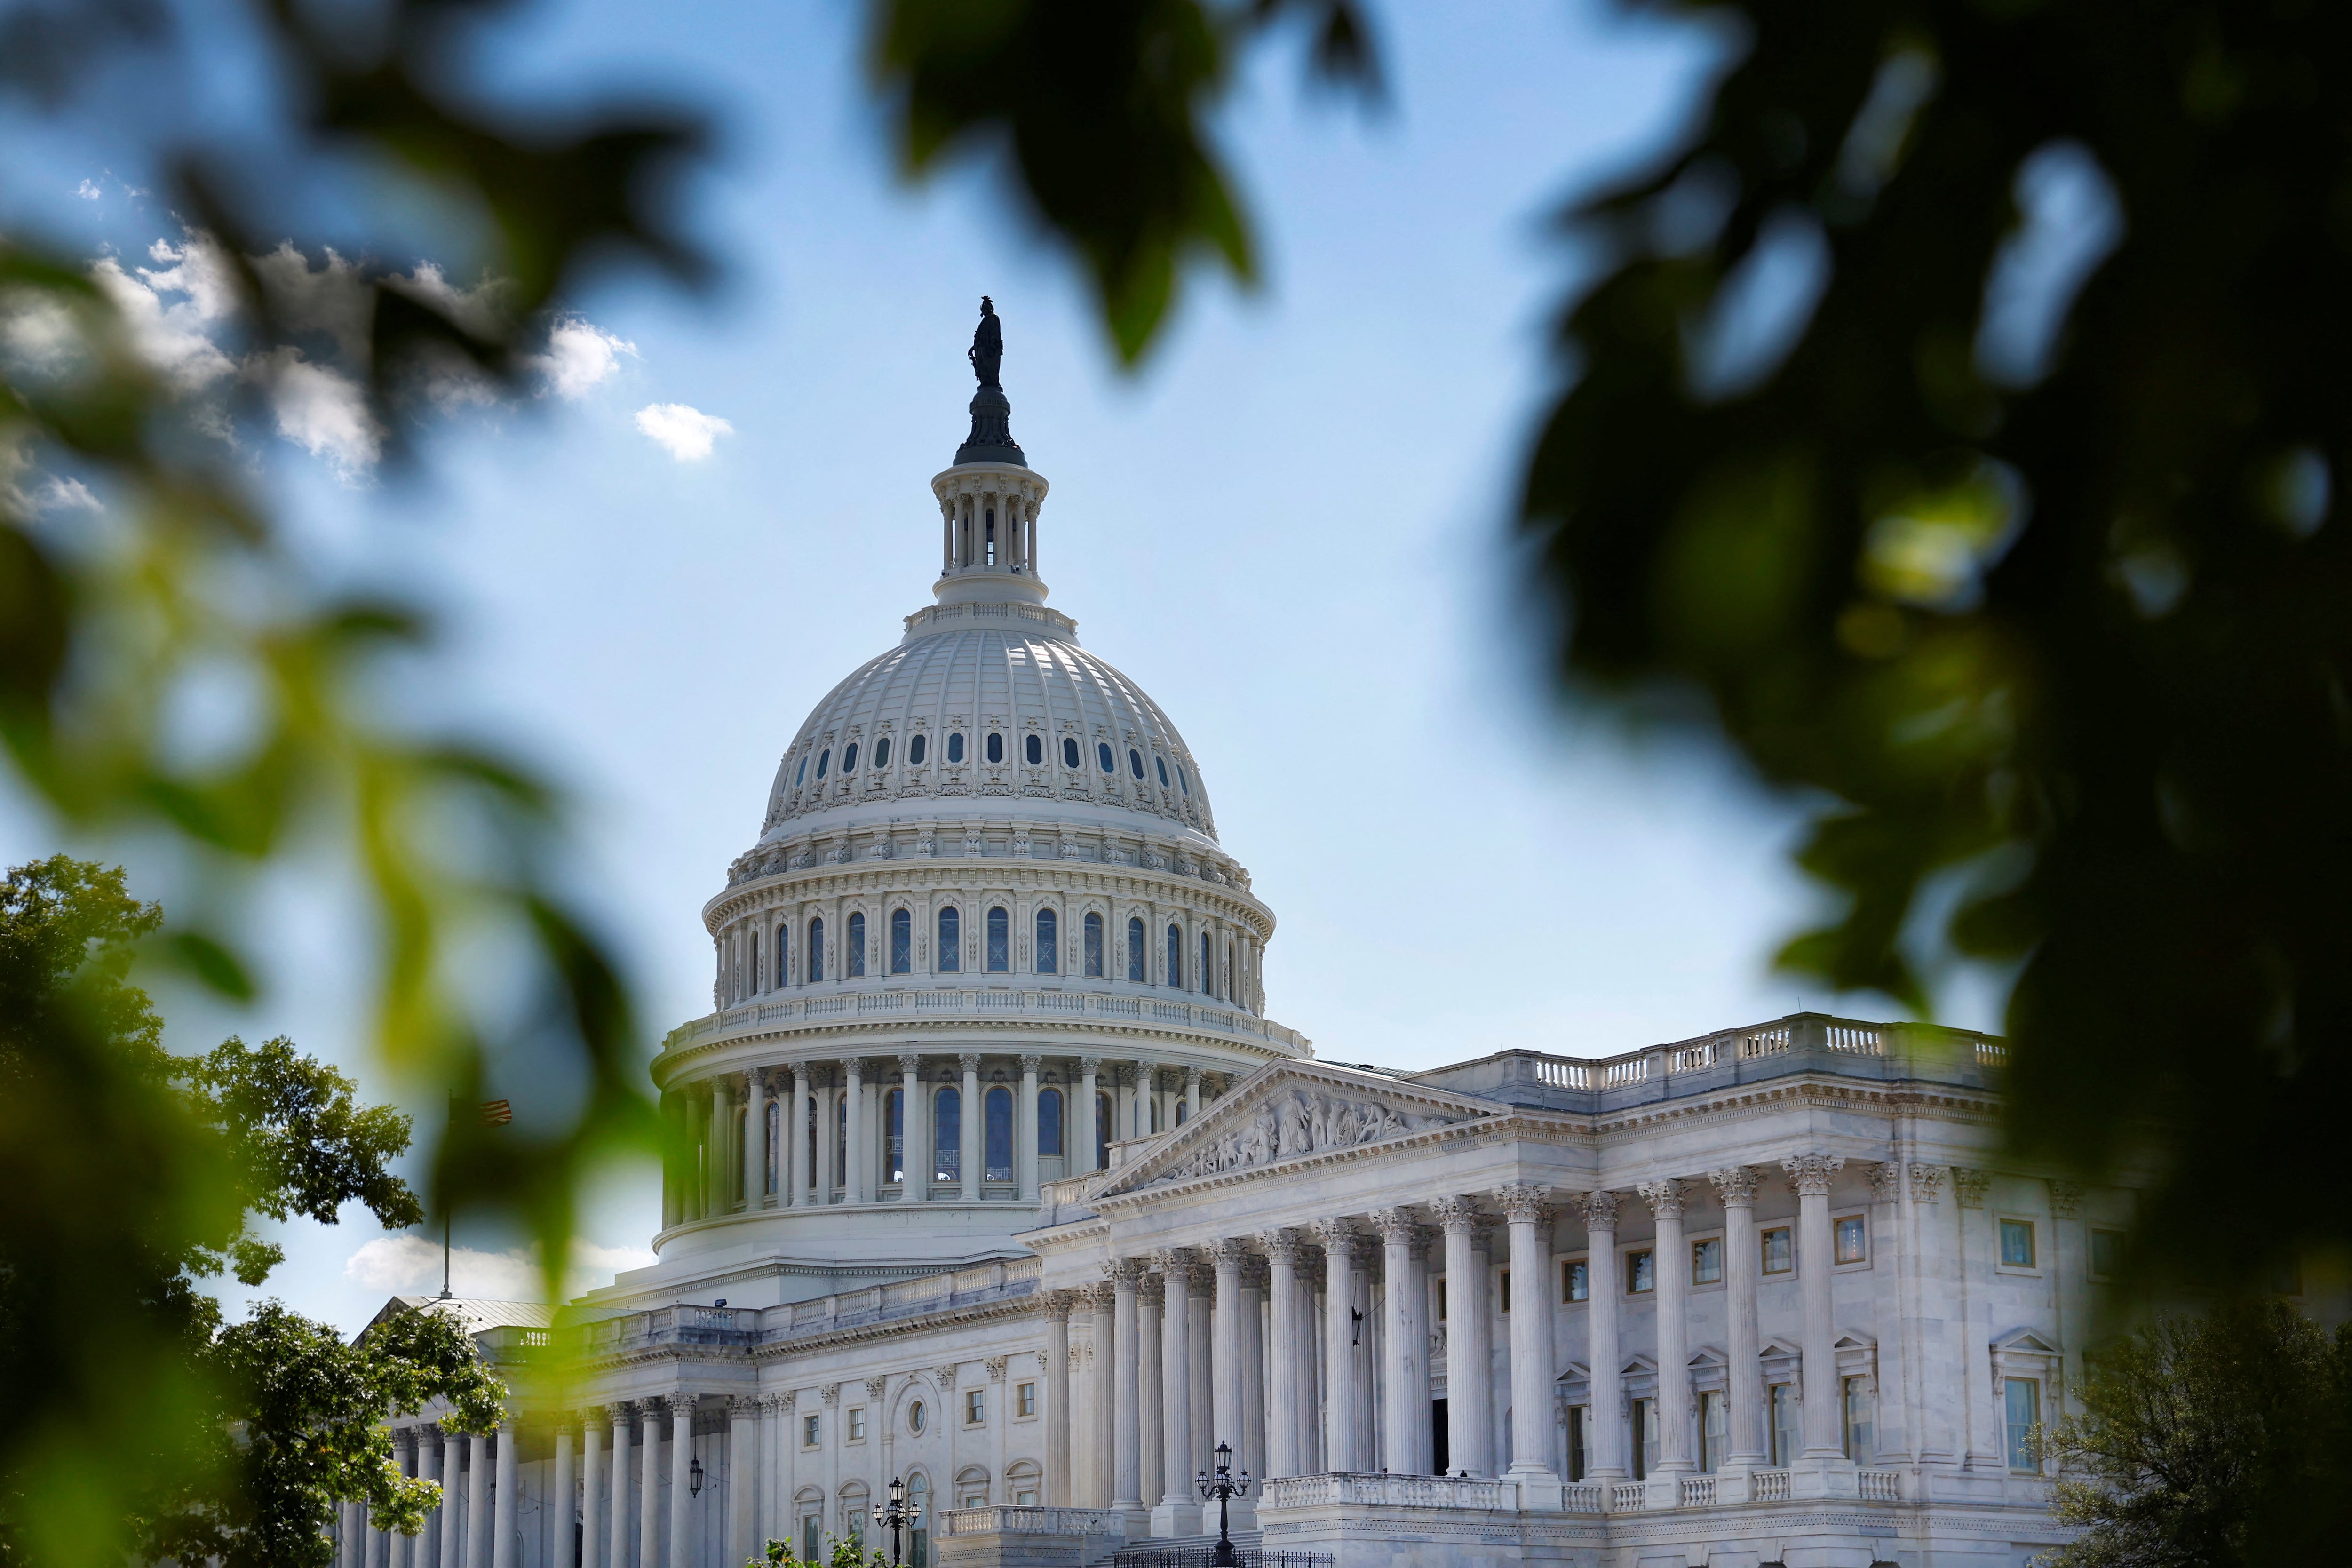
{"x": 449, "y": 1126}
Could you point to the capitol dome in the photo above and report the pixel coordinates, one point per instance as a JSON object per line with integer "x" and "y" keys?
{"x": 985, "y": 938}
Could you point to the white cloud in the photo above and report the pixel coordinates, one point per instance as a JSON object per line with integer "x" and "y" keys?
{"x": 578, "y": 357}
{"x": 319, "y": 409}
{"x": 685, "y": 433}
{"x": 174, "y": 335}
{"x": 332, "y": 299}
{"x": 67, "y": 495}
{"x": 88, "y": 191}
{"x": 409, "y": 1265}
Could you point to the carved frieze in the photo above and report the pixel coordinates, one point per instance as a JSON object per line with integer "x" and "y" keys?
{"x": 1300, "y": 1122}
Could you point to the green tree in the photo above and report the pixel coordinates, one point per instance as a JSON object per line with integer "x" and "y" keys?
{"x": 2210, "y": 1442}
{"x": 136, "y": 1177}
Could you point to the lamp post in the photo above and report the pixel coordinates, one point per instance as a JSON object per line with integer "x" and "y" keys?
{"x": 694, "y": 1478}
{"x": 1225, "y": 1486}
{"x": 896, "y": 1515}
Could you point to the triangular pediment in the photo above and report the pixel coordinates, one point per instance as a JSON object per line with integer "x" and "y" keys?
{"x": 1296, "y": 1111}
{"x": 2026, "y": 1341}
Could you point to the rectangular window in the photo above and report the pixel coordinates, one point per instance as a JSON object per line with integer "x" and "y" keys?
{"x": 809, "y": 1430}
{"x": 1853, "y": 1241}
{"x": 1503, "y": 1291}
{"x": 2106, "y": 1253}
{"x": 1025, "y": 1497}
{"x": 1706, "y": 1262}
{"x": 1575, "y": 1281}
{"x": 975, "y": 1499}
{"x": 1576, "y": 1418}
{"x": 812, "y": 1533}
{"x": 975, "y": 1406}
{"x": 1784, "y": 1424}
{"x": 1646, "y": 1434}
{"x": 1714, "y": 1430}
{"x": 1779, "y": 1251}
{"x": 2022, "y": 1403}
{"x": 1025, "y": 1398}
{"x": 858, "y": 1425}
{"x": 1641, "y": 1272}
{"x": 1860, "y": 1426}
{"x": 1441, "y": 1298}
{"x": 2017, "y": 1244}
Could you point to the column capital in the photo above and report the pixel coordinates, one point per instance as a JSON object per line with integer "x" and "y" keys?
{"x": 2065, "y": 1199}
{"x": 1191, "y": 1077}
{"x": 1338, "y": 1235}
{"x": 1176, "y": 1263}
{"x": 1150, "y": 1289}
{"x": 1122, "y": 1271}
{"x": 1457, "y": 1215}
{"x": 1886, "y": 1181}
{"x": 1031, "y": 1061}
{"x": 910, "y": 1062}
{"x": 1090, "y": 1064}
{"x": 1226, "y": 1252}
{"x": 1927, "y": 1183}
{"x": 1969, "y": 1187}
{"x": 743, "y": 1406}
{"x": 1600, "y": 1210}
{"x": 782, "y": 1403}
{"x": 996, "y": 1366}
{"x": 617, "y": 1412}
{"x": 1810, "y": 1175}
{"x": 1523, "y": 1201}
{"x": 875, "y": 1387}
{"x": 1056, "y": 1303}
{"x": 1399, "y": 1227}
{"x": 856, "y": 1067}
{"x": 1281, "y": 1246}
{"x": 968, "y": 1060}
{"x": 828, "y": 1393}
{"x": 1735, "y": 1185}
{"x": 1666, "y": 1198}
{"x": 1098, "y": 1295}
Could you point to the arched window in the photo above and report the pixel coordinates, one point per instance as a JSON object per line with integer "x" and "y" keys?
{"x": 1033, "y": 748}
{"x": 1022, "y": 1483}
{"x": 800, "y": 774}
{"x": 1162, "y": 764}
{"x": 841, "y": 1141}
{"x": 1049, "y": 942}
{"x": 955, "y": 746}
{"x": 1175, "y": 958}
{"x": 902, "y": 943}
{"x": 1208, "y": 968}
{"x": 783, "y": 954}
{"x": 758, "y": 951}
{"x": 816, "y": 950}
{"x": 1094, "y": 947}
{"x": 997, "y": 1106}
{"x": 853, "y": 957}
{"x": 882, "y": 753}
{"x": 808, "y": 1145}
{"x": 950, "y": 941}
{"x": 1000, "y": 941}
{"x": 947, "y": 1134}
{"x": 1135, "y": 761}
{"x": 1069, "y": 753}
{"x": 919, "y": 1494}
{"x": 1135, "y": 951}
{"x": 916, "y": 748}
{"x": 1104, "y": 1131}
{"x": 854, "y": 1514}
{"x": 989, "y": 528}
{"x": 1102, "y": 755}
{"x": 996, "y": 745}
{"x": 972, "y": 1487}
{"x": 849, "y": 759}
{"x": 1049, "y": 1122}
{"x": 894, "y": 1135}
{"x": 824, "y": 760}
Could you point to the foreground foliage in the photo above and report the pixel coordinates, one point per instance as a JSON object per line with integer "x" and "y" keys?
{"x": 2211, "y": 1442}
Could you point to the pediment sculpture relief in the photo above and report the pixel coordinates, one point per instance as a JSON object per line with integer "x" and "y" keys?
{"x": 1290, "y": 1125}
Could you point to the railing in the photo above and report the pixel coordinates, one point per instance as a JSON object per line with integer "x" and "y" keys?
{"x": 1560, "y": 1073}
{"x": 1882, "y": 1486}
{"x": 990, "y": 1001}
{"x": 1038, "y": 613}
{"x": 1627, "y": 1497}
{"x": 1861, "y": 1039}
{"x": 1768, "y": 1041}
{"x": 1201, "y": 1556}
{"x": 1394, "y": 1491}
{"x": 1698, "y": 1491}
{"x": 1031, "y": 1521}
{"x": 1840, "y": 1037}
{"x": 1584, "y": 1497}
{"x": 1768, "y": 1486}
{"x": 1991, "y": 1054}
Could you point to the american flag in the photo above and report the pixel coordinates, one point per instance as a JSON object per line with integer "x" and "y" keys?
{"x": 497, "y": 1113}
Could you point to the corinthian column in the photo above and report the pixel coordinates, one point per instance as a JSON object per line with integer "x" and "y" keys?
{"x": 1025, "y": 1134}
{"x": 1056, "y": 1308}
{"x": 1604, "y": 1442}
{"x": 1224, "y": 1352}
{"x": 1736, "y": 1184}
{"x": 592, "y": 1488}
{"x": 681, "y": 1455}
{"x": 1340, "y": 1348}
{"x": 1081, "y": 1158}
{"x": 1127, "y": 1437}
{"x": 649, "y": 1486}
{"x": 1282, "y": 1402}
{"x": 914, "y": 1133}
{"x": 1178, "y": 1512}
{"x": 617, "y": 1526}
{"x": 1405, "y": 1378}
{"x": 973, "y": 1162}
{"x": 755, "y": 1141}
{"x": 857, "y": 1159}
{"x": 1810, "y": 1175}
{"x": 559, "y": 1502}
{"x": 1673, "y": 1281}
{"x": 1532, "y": 1373}
{"x": 478, "y": 1503}
{"x": 1469, "y": 1393}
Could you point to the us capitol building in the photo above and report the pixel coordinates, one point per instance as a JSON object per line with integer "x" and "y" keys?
{"x": 996, "y": 1180}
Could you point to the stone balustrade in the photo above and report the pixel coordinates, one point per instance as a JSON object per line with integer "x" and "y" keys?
{"x": 1029, "y": 1521}
{"x": 1395, "y": 1491}
{"x": 826, "y": 1010}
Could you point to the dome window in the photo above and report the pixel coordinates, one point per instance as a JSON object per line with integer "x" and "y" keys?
{"x": 1183, "y": 779}
{"x": 1102, "y": 755}
{"x": 1033, "y": 748}
{"x": 824, "y": 761}
{"x": 854, "y": 955}
{"x": 1135, "y": 951}
{"x": 1175, "y": 957}
{"x": 950, "y": 941}
{"x": 849, "y": 759}
{"x": 955, "y": 746}
{"x": 1094, "y": 947}
{"x": 1049, "y": 942}
{"x": 902, "y": 943}
{"x": 995, "y": 745}
{"x": 800, "y": 774}
{"x": 1069, "y": 753}
{"x": 915, "y": 750}
{"x": 1000, "y": 941}
{"x": 882, "y": 753}
{"x": 1135, "y": 761}
{"x": 817, "y": 950}
{"x": 1162, "y": 764}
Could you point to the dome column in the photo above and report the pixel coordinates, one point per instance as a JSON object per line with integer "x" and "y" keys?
{"x": 970, "y": 1164}
{"x": 1025, "y": 1135}
{"x": 755, "y": 1141}
{"x": 1088, "y": 1133}
{"x": 854, "y": 1157}
{"x": 914, "y": 1131}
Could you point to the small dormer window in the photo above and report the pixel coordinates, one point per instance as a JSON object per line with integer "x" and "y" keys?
{"x": 1135, "y": 761}
{"x": 915, "y": 750}
{"x": 1183, "y": 779}
{"x": 1069, "y": 752}
{"x": 1162, "y": 764}
{"x": 1102, "y": 755}
{"x": 995, "y": 745}
{"x": 955, "y": 746}
{"x": 882, "y": 753}
{"x": 849, "y": 759}
{"x": 1033, "y": 748}
{"x": 824, "y": 761}
{"x": 800, "y": 774}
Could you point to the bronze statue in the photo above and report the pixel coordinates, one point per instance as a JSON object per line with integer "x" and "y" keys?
{"x": 987, "y": 351}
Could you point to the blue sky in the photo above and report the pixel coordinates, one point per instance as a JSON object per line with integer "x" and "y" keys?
{"x": 1291, "y": 527}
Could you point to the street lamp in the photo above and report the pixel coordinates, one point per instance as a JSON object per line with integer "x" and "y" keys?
{"x": 694, "y": 1478}
{"x": 897, "y": 1514}
{"x": 1225, "y": 1486}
